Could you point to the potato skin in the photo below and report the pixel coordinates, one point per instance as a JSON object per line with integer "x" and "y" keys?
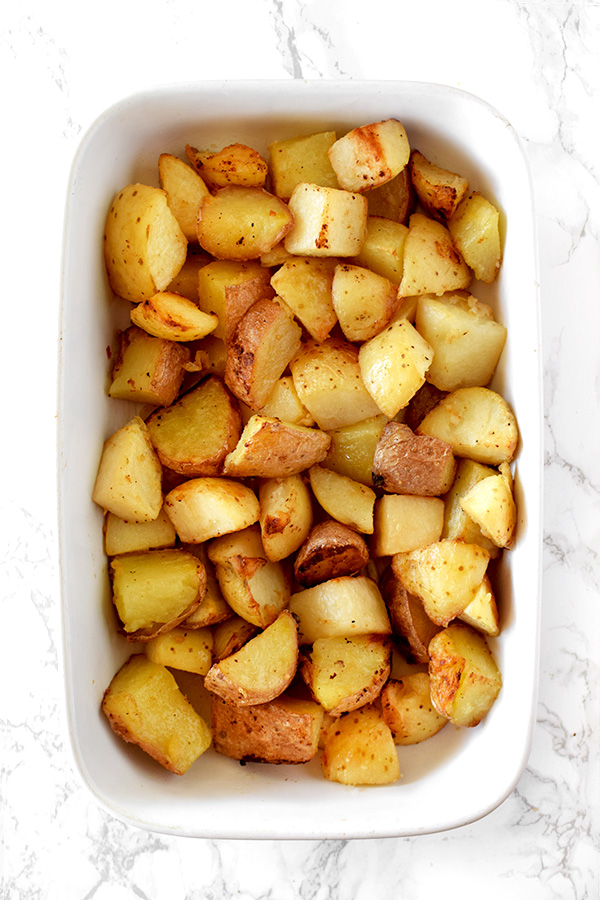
{"x": 331, "y": 550}
{"x": 406, "y": 463}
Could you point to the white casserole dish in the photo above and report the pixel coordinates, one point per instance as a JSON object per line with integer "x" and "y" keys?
{"x": 459, "y": 775}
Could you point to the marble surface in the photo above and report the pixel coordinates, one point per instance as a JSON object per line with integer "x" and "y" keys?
{"x": 539, "y": 64}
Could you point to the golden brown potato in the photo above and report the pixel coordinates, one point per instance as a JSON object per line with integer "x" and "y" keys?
{"x": 228, "y": 288}
{"x": 147, "y": 369}
{"x": 465, "y": 680}
{"x": 242, "y": 222}
{"x": 340, "y": 607}
{"x": 262, "y": 669}
{"x": 346, "y": 673}
{"x": 234, "y": 164}
{"x": 347, "y": 501}
{"x": 431, "y": 262}
{"x": 284, "y": 731}
{"x": 370, "y": 155}
{"x": 364, "y": 301}
{"x": 352, "y": 448}
{"x": 204, "y": 508}
{"x": 283, "y": 403}
{"x": 408, "y": 711}
{"x": 175, "y": 318}
{"x": 185, "y": 192}
{"x": 132, "y": 537}
{"x": 490, "y": 504}
{"x": 439, "y": 190}
{"x": 230, "y": 636}
{"x": 475, "y": 230}
{"x": 286, "y": 515}
{"x": 330, "y": 551}
{"x": 482, "y": 612}
{"x": 382, "y": 250}
{"x": 359, "y": 749}
{"x": 404, "y": 522}
{"x": 145, "y": 707}
{"x": 269, "y": 448}
{"x": 301, "y": 159}
{"x": 182, "y": 648}
{"x": 406, "y": 463}
{"x": 411, "y": 625}
{"x": 327, "y": 222}
{"x": 304, "y": 283}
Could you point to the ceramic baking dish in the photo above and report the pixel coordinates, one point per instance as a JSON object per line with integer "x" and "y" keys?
{"x": 456, "y": 777}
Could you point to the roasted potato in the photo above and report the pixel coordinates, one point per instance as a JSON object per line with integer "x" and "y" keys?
{"x": 439, "y": 190}
{"x": 301, "y": 159}
{"x": 147, "y": 369}
{"x": 346, "y": 673}
{"x": 393, "y": 200}
{"x": 406, "y": 463}
{"x": 283, "y": 403}
{"x": 173, "y": 317}
{"x": 234, "y": 164}
{"x": 412, "y": 627}
{"x": 382, "y": 250}
{"x": 359, "y": 749}
{"x": 364, "y": 301}
{"x": 431, "y": 262}
{"x": 403, "y": 522}
{"x": 305, "y": 284}
{"x": 286, "y": 515}
{"x": 353, "y": 447}
{"x": 327, "y": 222}
{"x": 270, "y": 448}
{"x": 130, "y": 537}
{"x": 204, "y": 508}
{"x": 345, "y": 500}
{"x": 240, "y": 222}
{"x": 408, "y": 711}
{"x": 330, "y": 551}
{"x": 185, "y": 192}
{"x": 228, "y": 288}
{"x": 475, "y": 230}
{"x": 182, "y": 648}
{"x": 370, "y": 155}
{"x": 340, "y": 607}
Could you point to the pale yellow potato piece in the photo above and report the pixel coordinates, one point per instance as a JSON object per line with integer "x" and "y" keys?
{"x": 482, "y": 612}
{"x": 439, "y": 190}
{"x": 147, "y": 369}
{"x": 234, "y": 164}
{"x": 341, "y": 607}
{"x": 345, "y": 500}
{"x": 477, "y": 423}
{"x": 204, "y": 508}
{"x": 370, "y": 155}
{"x": 346, "y": 673}
{"x": 457, "y": 523}
{"x": 475, "y": 230}
{"x": 360, "y": 750}
{"x": 186, "y": 280}
{"x": 286, "y": 515}
{"x": 270, "y": 448}
{"x": 213, "y": 608}
{"x": 432, "y": 264}
{"x": 173, "y": 317}
{"x": 131, "y": 537}
{"x": 230, "y": 635}
{"x": 490, "y": 504}
{"x": 364, "y": 302}
{"x": 403, "y": 522}
{"x": 262, "y": 669}
{"x": 408, "y": 711}
{"x": 327, "y": 222}
{"x": 301, "y": 159}
{"x": 352, "y": 449}
{"x": 144, "y": 246}
{"x": 185, "y": 192}
{"x": 283, "y": 403}
{"x": 393, "y": 365}
{"x": 305, "y": 284}
{"x": 383, "y": 248}
{"x": 129, "y": 478}
{"x": 228, "y": 288}
{"x": 242, "y": 222}
{"x": 182, "y": 648}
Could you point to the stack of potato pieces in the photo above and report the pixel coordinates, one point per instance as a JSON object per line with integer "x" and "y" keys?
{"x": 301, "y": 509}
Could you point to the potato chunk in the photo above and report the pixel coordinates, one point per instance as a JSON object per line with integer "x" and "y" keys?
{"x": 175, "y": 318}
{"x": 305, "y": 284}
{"x": 346, "y": 673}
{"x": 242, "y": 222}
{"x": 359, "y": 749}
{"x": 352, "y": 449}
{"x": 439, "y": 190}
{"x": 370, "y": 155}
{"x": 406, "y": 463}
{"x": 234, "y": 164}
{"x": 383, "y": 248}
{"x": 364, "y": 302}
{"x": 327, "y": 222}
{"x": 412, "y": 627}
{"x": 408, "y": 711}
{"x": 269, "y": 448}
{"x": 228, "y": 288}
{"x": 457, "y": 524}
{"x": 147, "y": 369}
{"x": 204, "y": 508}
{"x": 431, "y": 262}
{"x": 490, "y": 504}
{"x": 301, "y": 159}
{"x": 182, "y": 648}
{"x": 340, "y": 607}
{"x": 131, "y": 537}
{"x": 185, "y": 192}
{"x": 348, "y": 501}
{"x": 330, "y": 551}
{"x": 475, "y": 230}
{"x": 404, "y": 522}
{"x": 286, "y": 515}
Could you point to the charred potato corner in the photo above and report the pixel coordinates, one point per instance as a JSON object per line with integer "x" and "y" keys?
{"x": 315, "y": 479}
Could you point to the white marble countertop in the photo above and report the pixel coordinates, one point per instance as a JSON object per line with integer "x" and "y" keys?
{"x": 539, "y": 64}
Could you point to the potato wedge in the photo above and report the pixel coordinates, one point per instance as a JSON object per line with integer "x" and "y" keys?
{"x": 173, "y": 317}
{"x": 330, "y": 551}
{"x": 144, "y": 706}
{"x": 408, "y": 711}
{"x": 228, "y": 288}
{"x": 132, "y": 537}
{"x": 147, "y": 369}
{"x": 286, "y": 515}
{"x": 370, "y": 155}
{"x": 407, "y": 463}
{"x": 213, "y": 608}
{"x": 439, "y": 190}
{"x": 185, "y": 192}
{"x": 344, "y": 674}
{"x": 301, "y": 159}
{"x": 269, "y": 448}
{"x": 457, "y": 523}
{"x": 475, "y": 230}
{"x": 327, "y": 222}
{"x": 412, "y": 627}
{"x": 345, "y": 500}
{"x": 359, "y": 749}
{"x": 182, "y": 648}
{"x": 490, "y": 504}
{"x": 230, "y": 636}
{"x": 283, "y": 403}
{"x": 340, "y": 607}
{"x": 404, "y": 522}
{"x": 304, "y": 283}
{"x": 242, "y": 222}
{"x": 234, "y": 164}
{"x": 262, "y": 669}
{"x": 431, "y": 262}
{"x": 482, "y": 612}
{"x": 364, "y": 302}
{"x": 204, "y": 508}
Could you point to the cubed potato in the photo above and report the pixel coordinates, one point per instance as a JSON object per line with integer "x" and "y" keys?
{"x": 173, "y": 317}
{"x": 145, "y": 707}
{"x": 231, "y": 635}
{"x": 129, "y": 478}
{"x": 204, "y": 508}
{"x": 412, "y": 627}
{"x": 344, "y": 674}
{"x": 155, "y": 590}
{"x": 302, "y": 159}
{"x": 262, "y": 669}
{"x": 147, "y": 369}
{"x": 305, "y": 283}
{"x": 490, "y": 504}
{"x": 284, "y": 731}
{"x": 185, "y": 192}
{"x": 182, "y": 648}
{"x": 144, "y": 247}
{"x": 228, "y": 288}
{"x": 132, "y": 537}
{"x": 408, "y": 711}
{"x": 393, "y": 200}
{"x": 431, "y": 262}
{"x": 439, "y": 190}
{"x": 403, "y": 522}
{"x": 465, "y": 680}
{"x": 330, "y": 551}
{"x": 269, "y": 448}
{"x": 327, "y": 222}
{"x": 466, "y": 339}
{"x": 393, "y": 365}
{"x": 353, "y": 447}
{"x": 359, "y": 749}
{"x": 364, "y": 302}
{"x": 328, "y": 381}
{"x": 445, "y": 575}
{"x": 482, "y": 612}
{"x": 370, "y": 155}
{"x": 408, "y": 463}
{"x": 345, "y": 500}
{"x": 477, "y": 423}
{"x": 340, "y": 607}
{"x": 283, "y": 403}
{"x": 213, "y": 608}
{"x": 265, "y": 340}
{"x": 240, "y": 222}
{"x": 475, "y": 230}
{"x": 234, "y": 164}
{"x": 457, "y": 524}
{"x": 286, "y": 515}
{"x": 383, "y": 248}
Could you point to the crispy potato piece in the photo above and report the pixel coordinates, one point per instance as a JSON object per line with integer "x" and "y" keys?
{"x": 475, "y": 230}
{"x": 228, "y": 288}
{"x": 431, "y": 262}
{"x": 327, "y": 221}
{"x": 195, "y": 434}
{"x": 347, "y": 501}
{"x": 132, "y": 537}
{"x": 477, "y": 423}
{"x": 242, "y": 222}
{"x": 175, "y": 318}
{"x": 330, "y": 551}
{"x": 482, "y": 612}
{"x": 269, "y": 448}
{"x": 231, "y": 635}
{"x": 147, "y": 369}
{"x": 383, "y": 248}
{"x": 364, "y": 302}
{"x": 404, "y": 522}
{"x": 285, "y": 515}
{"x": 144, "y": 247}
{"x": 340, "y": 607}
{"x": 283, "y": 403}
{"x": 465, "y": 680}
{"x": 346, "y": 673}
{"x": 128, "y": 482}
{"x": 328, "y": 381}
{"x": 284, "y": 731}
{"x": 262, "y": 669}
{"x": 393, "y": 365}
{"x": 305, "y": 283}
{"x": 394, "y": 200}
{"x": 352, "y": 449}
{"x": 370, "y": 155}
{"x": 155, "y": 590}
{"x": 407, "y": 463}
{"x": 490, "y": 504}
{"x": 185, "y": 192}
{"x": 445, "y": 575}
{"x": 204, "y": 508}
{"x": 412, "y": 627}
{"x": 145, "y": 707}
{"x": 439, "y": 190}
{"x": 301, "y": 159}
{"x": 408, "y": 711}
{"x": 182, "y": 648}
{"x": 265, "y": 340}
{"x": 234, "y": 164}
{"x": 466, "y": 339}
{"x": 359, "y": 749}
